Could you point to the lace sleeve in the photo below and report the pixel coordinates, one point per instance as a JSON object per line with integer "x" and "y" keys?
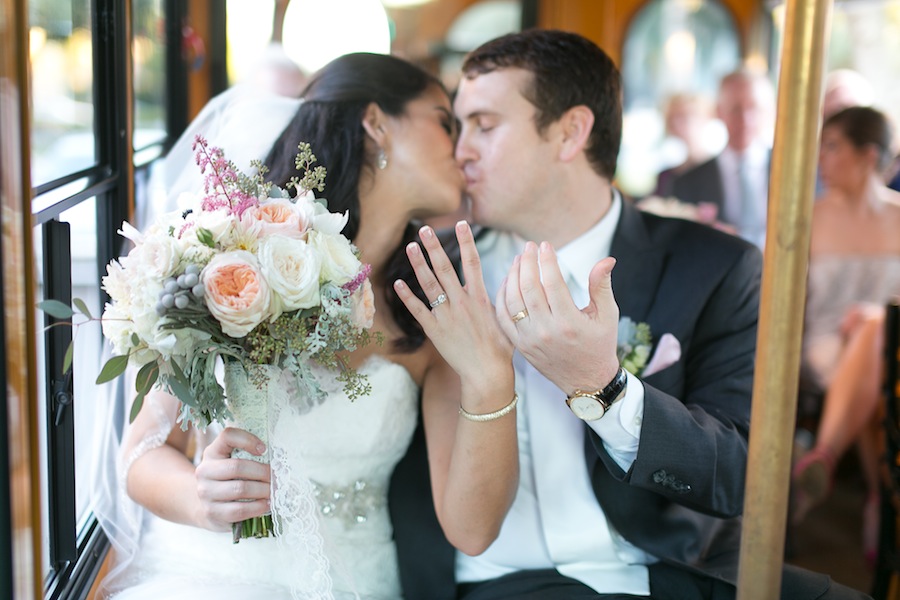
{"x": 149, "y": 431}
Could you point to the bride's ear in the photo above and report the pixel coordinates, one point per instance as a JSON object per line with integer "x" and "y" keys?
{"x": 374, "y": 122}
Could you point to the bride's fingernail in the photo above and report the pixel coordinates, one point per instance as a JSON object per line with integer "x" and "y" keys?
{"x": 261, "y": 448}
{"x": 462, "y": 226}
{"x": 399, "y": 284}
{"x": 412, "y": 248}
{"x": 426, "y": 233}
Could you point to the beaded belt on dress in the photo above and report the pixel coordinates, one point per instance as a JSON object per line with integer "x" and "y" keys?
{"x": 350, "y": 503}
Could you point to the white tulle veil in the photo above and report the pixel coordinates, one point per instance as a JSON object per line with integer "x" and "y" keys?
{"x": 244, "y": 123}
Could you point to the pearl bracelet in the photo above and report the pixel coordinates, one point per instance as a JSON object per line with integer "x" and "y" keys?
{"x": 491, "y": 416}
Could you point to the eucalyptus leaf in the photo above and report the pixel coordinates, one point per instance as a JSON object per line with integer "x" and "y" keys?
{"x": 146, "y": 377}
{"x": 136, "y": 407}
{"x": 80, "y": 304}
{"x": 56, "y": 309}
{"x": 114, "y": 367}
{"x": 67, "y": 359}
{"x": 180, "y": 385}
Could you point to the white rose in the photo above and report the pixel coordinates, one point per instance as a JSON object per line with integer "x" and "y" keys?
{"x": 292, "y": 269}
{"x": 159, "y": 255}
{"x": 339, "y": 262}
{"x": 322, "y": 220}
{"x": 218, "y": 222}
{"x": 237, "y": 295}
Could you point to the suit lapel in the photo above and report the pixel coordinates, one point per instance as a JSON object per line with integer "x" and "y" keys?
{"x": 635, "y": 280}
{"x": 638, "y": 265}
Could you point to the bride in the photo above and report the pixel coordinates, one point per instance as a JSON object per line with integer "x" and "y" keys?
{"x": 385, "y": 133}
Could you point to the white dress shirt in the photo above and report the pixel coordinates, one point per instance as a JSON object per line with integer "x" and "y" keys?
{"x": 555, "y": 520}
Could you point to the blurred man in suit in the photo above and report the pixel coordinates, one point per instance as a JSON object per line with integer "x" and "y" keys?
{"x": 737, "y": 180}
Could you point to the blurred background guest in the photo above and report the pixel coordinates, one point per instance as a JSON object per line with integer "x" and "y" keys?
{"x": 854, "y": 268}
{"x": 843, "y": 88}
{"x": 687, "y": 118}
{"x": 737, "y": 180}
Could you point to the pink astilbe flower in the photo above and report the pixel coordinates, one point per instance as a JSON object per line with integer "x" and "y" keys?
{"x": 221, "y": 182}
{"x": 183, "y": 229}
{"x": 353, "y": 285}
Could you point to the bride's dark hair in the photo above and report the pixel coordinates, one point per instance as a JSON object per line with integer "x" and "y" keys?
{"x": 330, "y": 120}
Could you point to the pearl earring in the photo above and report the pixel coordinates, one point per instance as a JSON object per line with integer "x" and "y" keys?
{"x": 382, "y": 160}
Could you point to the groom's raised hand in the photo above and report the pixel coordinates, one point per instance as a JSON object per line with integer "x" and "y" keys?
{"x": 574, "y": 348}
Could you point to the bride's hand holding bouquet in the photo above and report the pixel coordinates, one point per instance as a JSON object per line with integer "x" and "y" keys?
{"x": 231, "y": 490}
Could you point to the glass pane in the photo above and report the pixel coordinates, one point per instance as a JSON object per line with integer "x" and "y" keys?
{"x": 61, "y": 52}
{"x": 88, "y": 400}
{"x": 149, "y": 52}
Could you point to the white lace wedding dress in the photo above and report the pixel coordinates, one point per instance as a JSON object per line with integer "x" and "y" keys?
{"x": 349, "y": 451}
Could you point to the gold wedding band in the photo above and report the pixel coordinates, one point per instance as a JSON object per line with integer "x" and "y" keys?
{"x": 520, "y": 315}
{"x": 438, "y": 301}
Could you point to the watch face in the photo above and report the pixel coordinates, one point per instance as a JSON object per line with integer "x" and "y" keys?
{"x": 586, "y": 407}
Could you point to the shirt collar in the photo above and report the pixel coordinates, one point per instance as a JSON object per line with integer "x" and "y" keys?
{"x": 756, "y": 153}
{"x": 578, "y": 257}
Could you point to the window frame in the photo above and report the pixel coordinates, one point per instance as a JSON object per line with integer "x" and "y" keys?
{"x": 77, "y": 555}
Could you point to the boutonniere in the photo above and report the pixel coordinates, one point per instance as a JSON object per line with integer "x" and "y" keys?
{"x": 634, "y": 343}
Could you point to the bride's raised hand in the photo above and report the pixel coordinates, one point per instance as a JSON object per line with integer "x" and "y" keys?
{"x": 231, "y": 489}
{"x": 461, "y": 321}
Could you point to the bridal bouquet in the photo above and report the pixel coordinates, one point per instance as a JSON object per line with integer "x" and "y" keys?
{"x": 245, "y": 273}
{"x": 241, "y": 272}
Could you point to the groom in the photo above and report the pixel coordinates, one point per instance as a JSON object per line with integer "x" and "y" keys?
{"x": 630, "y": 484}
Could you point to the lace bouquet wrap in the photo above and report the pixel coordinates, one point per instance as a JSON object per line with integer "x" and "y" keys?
{"x": 243, "y": 273}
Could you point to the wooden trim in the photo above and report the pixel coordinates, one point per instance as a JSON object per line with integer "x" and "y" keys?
{"x": 18, "y": 300}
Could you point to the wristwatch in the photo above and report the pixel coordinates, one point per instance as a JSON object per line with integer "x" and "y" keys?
{"x": 590, "y": 406}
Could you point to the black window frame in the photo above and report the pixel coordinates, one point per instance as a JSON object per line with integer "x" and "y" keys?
{"x": 77, "y": 556}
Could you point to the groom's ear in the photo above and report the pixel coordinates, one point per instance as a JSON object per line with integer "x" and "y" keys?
{"x": 575, "y": 129}
{"x": 374, "y": 122}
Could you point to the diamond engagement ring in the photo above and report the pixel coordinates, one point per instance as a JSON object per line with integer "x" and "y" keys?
{"x": 520, "y": 315}
{"x": 438, "y": 301}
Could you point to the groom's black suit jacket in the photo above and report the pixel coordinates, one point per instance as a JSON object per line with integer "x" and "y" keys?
{"x": 681, "y": 499}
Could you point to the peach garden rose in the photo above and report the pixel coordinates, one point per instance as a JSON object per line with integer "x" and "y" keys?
{"x": 236, "y": 293}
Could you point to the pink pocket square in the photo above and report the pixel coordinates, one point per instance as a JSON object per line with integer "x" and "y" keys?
{"x": 668, "y": 351}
